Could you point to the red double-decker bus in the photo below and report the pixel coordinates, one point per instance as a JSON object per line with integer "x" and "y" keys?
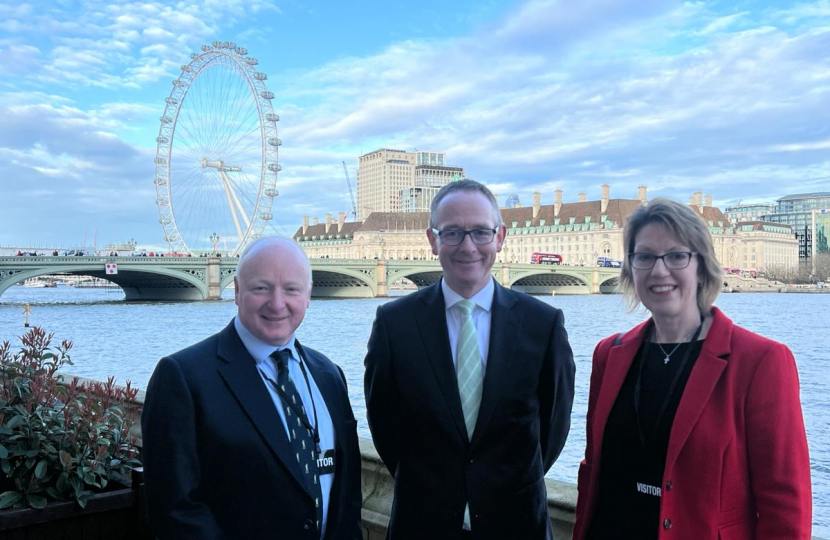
{"x": 545, "y": 258}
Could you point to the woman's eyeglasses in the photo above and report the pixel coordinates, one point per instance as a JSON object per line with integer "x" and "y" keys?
{"x": 676, "y": 260}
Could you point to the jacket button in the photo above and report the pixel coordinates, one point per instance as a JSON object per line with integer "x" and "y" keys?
{"x": 308, "y": 524}
{"x": 668, "y": 485}
{"x": 667, "y": 523}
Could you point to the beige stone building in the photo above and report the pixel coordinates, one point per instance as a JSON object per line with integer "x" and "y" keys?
{"x": 381, "y": 175}
{"x": 581, "y": 232}
{"x": 399, "y": 181}
{"x": 384, "y": 235}
{"x": 762, "y": 245}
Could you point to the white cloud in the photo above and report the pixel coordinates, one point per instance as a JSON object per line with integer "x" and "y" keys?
{"x": 677, "y": 96}
{"x": 722, "y": 23}
{"x": 800, "y": 147}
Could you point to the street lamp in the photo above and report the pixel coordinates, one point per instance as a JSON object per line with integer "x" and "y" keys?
{"x": 214, "y": 239}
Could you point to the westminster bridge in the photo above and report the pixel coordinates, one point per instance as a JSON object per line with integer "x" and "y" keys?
{"x": 204, "y": 278}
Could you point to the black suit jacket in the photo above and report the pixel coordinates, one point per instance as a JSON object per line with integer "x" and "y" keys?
{"x": 417, "y": 424}
{"x": 218, "y": 464}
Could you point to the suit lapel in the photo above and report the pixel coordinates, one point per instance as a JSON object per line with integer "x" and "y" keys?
{"x": 432, "y": 323}
{"x": 619, "y": 362}
{"x": 240, "y": 374}
{"x": 504, "y": 333}
{"x": 702, "y": 381}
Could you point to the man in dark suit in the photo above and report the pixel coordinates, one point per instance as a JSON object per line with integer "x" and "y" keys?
{"x": 248, "y": 434}
{"x": 469, "y": 388}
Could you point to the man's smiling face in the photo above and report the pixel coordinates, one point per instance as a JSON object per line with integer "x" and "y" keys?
{"x": 273, "y": 292}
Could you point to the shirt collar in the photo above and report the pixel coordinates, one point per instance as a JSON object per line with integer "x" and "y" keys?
{"x": 483, "y": 298}
{"x": 258, "y": 349}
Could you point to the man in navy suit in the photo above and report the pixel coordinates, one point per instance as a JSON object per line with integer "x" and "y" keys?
{"x": 469, "y": 388}
{"x": 249, "y": 434}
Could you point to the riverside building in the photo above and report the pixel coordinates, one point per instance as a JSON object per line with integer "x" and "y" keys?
{"x": 581, "y": 232}
{"x": 399, "y": 181}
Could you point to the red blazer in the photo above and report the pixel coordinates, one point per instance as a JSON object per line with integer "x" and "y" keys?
{"x": 737, "y": 465}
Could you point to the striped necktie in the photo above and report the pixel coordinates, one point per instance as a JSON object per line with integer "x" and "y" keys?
{"x": 468, "y": 366}
{"x": 470, "y": 376}
{"x": 302, "y": 441}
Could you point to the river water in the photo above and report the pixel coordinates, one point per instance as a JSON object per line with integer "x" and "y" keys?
{"x": 113, "y": 337}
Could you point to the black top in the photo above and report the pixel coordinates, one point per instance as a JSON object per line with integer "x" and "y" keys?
{"x": 631, "y": 473}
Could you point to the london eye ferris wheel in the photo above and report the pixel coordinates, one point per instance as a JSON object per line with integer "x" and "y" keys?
{"x": 217, "y": 153}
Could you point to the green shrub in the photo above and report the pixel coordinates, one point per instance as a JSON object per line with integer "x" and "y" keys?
{"x": 59, "y": 441}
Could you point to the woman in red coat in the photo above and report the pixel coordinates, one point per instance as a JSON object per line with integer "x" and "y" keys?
{"x": 694, "y": 428}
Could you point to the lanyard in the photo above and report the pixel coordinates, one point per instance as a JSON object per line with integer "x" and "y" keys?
{"x": 296, "y": 408}
{"x": 645, "y": 442}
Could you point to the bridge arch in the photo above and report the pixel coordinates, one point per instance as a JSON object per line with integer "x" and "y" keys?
{"x": 420, "y": 277}
{"x": 144, "y": 283}
{"x": 609, "y": 285}
{"x": 547, "y": 280}
{"x": 341, "y": 282}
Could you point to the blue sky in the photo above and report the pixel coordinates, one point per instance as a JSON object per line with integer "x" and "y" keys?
{"x": 730, "y": 98}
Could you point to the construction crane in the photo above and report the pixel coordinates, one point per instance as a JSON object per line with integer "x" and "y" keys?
{"x": 351, "y": 194}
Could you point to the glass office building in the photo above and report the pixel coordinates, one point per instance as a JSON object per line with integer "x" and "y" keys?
{"x": 821, "y": 232}
{"x": 797, "y": 212}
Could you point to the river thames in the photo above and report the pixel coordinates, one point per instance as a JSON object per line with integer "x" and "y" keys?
{"x": 113, "y": 337}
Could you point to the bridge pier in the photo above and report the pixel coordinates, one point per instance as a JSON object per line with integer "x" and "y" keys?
{"x": 505, "y": 275}
{"x": 213, "y": 279}
{"x": 383, "y": 289}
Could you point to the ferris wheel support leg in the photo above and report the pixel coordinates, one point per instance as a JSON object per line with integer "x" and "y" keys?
{"x": 229, "y": 197}
{"x": 239, "y": 206}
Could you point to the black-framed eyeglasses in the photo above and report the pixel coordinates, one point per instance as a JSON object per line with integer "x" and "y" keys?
{"x": 676, "y": 260}
{"x": 454, "y": 237}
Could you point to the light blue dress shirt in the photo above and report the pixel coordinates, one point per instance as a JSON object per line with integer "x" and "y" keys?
{"x": 261, "y": 352}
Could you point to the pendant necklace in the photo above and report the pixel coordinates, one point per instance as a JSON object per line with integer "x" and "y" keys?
{"x": 669, "y": 354}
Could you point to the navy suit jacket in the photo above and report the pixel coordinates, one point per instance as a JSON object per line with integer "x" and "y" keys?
{"x": 417, "y": 423}
{"x": 218, "y": 463}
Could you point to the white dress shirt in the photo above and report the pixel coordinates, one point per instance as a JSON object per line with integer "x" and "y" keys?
{"x": 261, "y": 352}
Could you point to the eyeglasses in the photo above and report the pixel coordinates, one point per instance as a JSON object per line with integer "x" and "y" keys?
{"x": 676, "y": 260}
{"x": 454, "y": 237}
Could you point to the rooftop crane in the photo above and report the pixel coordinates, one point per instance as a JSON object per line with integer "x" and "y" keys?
{"x": 351, "y": 195}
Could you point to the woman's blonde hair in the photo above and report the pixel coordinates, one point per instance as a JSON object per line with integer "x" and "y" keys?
{"x": 689, "y": 229}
